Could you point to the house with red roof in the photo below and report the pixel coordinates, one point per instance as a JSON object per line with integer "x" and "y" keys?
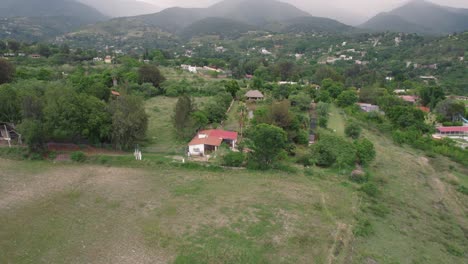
{"x": 208, "y": 141}
{"x": 453, "y": 131}
{"x": 409, "y": 98}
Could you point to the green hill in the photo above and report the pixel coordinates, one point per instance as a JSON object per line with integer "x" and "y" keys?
{"x": 33, "y": 20}
{"x": 50, "y": 8}
{"x": 311, "y": 24}
{"x": 223, "y": 27}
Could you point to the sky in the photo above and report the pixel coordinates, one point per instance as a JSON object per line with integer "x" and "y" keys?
{"x": 350, "y": 11}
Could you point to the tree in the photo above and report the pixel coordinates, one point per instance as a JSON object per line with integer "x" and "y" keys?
{"x": 347, "y": 98}
{"x": 34, "y": 135}
{"x": 450, "y": 110}
{"x": 7, "y": 70}
{"x": 353, "y": 130}
{"x": 332, "y": 150}
{"x": 9, "y": 105}
{"x": 232, "y": 87}
{"x": 267, "y": 142}
{"x": 183, "y": 122}
{"x": 365, "y": 151}
{"x": 129, "y": 121}
{"x": 431, "y": 96}
{"x": 13, "y": 45}
{"x": 333, "y": 87}
{"x": 150, "y": 74}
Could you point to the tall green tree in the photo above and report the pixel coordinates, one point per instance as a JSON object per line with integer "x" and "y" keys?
{"x": 151, "y": 74}
{"x": 183, "y": 121}
{"x": 267, "y": 142}
{"x": 7, "y": 71}
{"x": 129, "y": 121}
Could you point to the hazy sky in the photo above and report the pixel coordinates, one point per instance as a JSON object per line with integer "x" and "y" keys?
{"x": 351, "y": 11}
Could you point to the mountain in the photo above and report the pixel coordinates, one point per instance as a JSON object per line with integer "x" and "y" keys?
{"x": 122, "y": 8}
{"x": 228, "y": 18}
{"x": 420, "y": 16}
{"x": 36, "y": 20}
{"x": 312, "y": 24}
{"x": 223, "y": 27}
{"x": 50, "y": 8}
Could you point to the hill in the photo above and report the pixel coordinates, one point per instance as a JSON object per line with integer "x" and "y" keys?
{"x": 122, "y": 8}
{"x": 223, "y": 27}
{"x": 312, "y": 24}
{"x": 420, "y": 16}
{"x": 34, "y": 20}
{"x": 228, "y": 18}
{"x": 50, "y": 8}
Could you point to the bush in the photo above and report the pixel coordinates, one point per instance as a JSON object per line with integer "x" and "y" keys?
{"x": 353, "y": 130}
{"x": 233, "y": 159}
{"x": 78, "y": 156}
{"x": 333, "y": 150}
{"x": 365, "y": 151}
{"x": 370, "y": 189}
{"x": 363, "y": 228}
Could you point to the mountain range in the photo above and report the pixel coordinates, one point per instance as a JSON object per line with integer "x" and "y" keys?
{"x": 419, "y": 16}
{"x": 45, "y": 19}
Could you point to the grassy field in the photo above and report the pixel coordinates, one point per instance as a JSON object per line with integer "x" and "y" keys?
{"x": 114, "y": 209}
{"x": 336, "y": 120}
{"x": 161, "y": 134}
{"x": 154, "y": 212}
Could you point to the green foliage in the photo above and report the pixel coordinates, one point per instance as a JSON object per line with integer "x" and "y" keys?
{"x": 347, "y": 98}
{"x": 232, "y": 87}
{"x": 267, "y": 142}
{"x": 353, "y": 130}
{"x": 78, "y": 156}
{"x": 365, "y": 151}
{"x": 183, "y": 121}
{"x": 233, "y": 159}
{"x": 431, "y": 96}
{"x": 333, "y": 87}
{"x": 34, "y": 135}
{"x": 370, "y": 189}
{"x": 10, "y": 108}
{"x": 333, "y": 150}
{"x": 7, "y": 71}
{"x": 129, "y": 121}
{"x": 363, "y": 228}
{"x": 450, "y": 110}
{"x": 150, "y": 74}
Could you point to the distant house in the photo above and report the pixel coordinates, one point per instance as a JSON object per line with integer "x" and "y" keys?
{"x": 208, "y": 141}
{"x": 368, "y": 107}
{"x": 35, "y": 56}
{"x": 249, "y": 76}
{"x": 108, "y": 59}
{"x": 115, "y": 93}
{"x": 254, "y": 95}
{"x": 97, "y": 59}
{"x": 409, "y": 98}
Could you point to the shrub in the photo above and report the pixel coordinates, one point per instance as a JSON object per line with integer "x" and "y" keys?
{"x": 353, "y": 130}
{"x": 365, "y": 151}
{"x": 78, "y": 156}
{"x": 363, "y": 228}
{"x": 333, "y": 150}
{"x": 370, "y": 189}
{"x": 463, "y": 189}
{"x": 233, "y": 159}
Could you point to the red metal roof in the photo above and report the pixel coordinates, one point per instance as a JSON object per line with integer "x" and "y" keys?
{"x": 211, "y": 141}
{"x": 409, "y": 98}
{"x": 115, "y": 93}
{"x": 424, "y": 109}
{"x": 453, "y": 129}
{"x": 223, "y": 134}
